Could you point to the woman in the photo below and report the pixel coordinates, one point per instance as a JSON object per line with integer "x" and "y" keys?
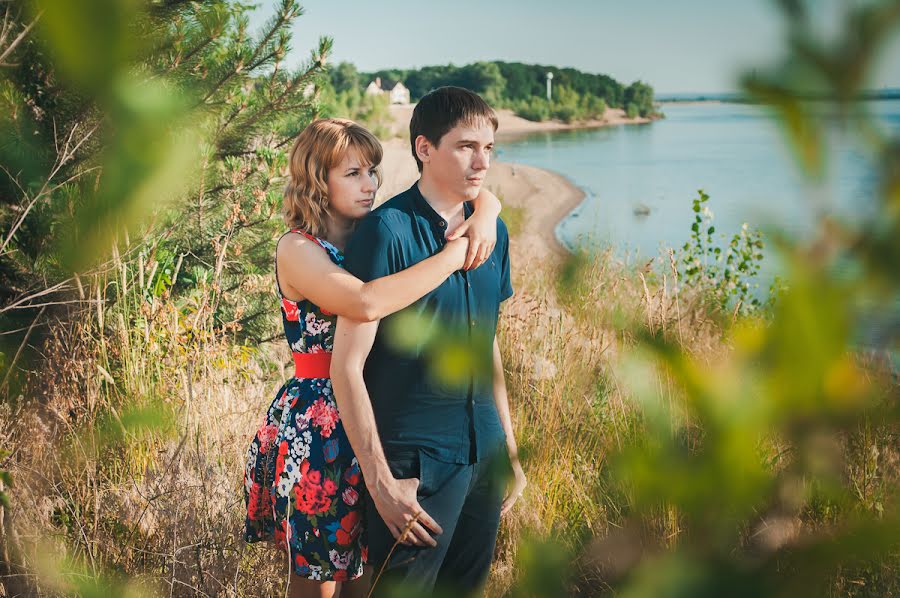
{"x": 302, "y": 483}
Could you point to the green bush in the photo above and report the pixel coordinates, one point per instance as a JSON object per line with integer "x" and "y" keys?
{"x": 565, "y": 112}
{"x": 727, "y": 272}
{"x": 535, "y": 109}
{"x": 592, "y": 106}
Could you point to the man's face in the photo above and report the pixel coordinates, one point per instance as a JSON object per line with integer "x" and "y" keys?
{"x": 459, "y": 163}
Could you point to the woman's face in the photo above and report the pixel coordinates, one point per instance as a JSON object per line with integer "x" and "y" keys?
{"x": 351, "y": 187}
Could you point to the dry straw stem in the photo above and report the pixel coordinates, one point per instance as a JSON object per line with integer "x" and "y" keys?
{"x": 397, "y": 542}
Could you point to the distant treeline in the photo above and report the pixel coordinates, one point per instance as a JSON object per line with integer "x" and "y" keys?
{"x": 521, "y": 87}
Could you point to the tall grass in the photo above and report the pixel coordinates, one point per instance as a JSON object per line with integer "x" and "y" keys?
{"x": 564, "y": 340}
{"x": 574, "y": 336}
{"x": 131, "y": 462}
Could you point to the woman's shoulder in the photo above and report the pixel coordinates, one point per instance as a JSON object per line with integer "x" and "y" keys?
{"x": 299, "y": 243}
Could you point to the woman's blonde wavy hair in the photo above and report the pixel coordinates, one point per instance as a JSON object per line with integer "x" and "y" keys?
{"x": 318, "y": 148}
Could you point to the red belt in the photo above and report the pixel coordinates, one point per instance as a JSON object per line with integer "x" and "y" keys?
{"x": 312, "y": 365}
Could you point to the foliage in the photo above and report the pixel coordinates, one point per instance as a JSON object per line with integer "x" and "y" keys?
{"x": 727, "y": 273}
{"x": 760, "y": 457}
{"x": 761, "y": 439}
{"x": 631, "y": 110}
{"x": 535, "y": 109}
{"x": 567, "y": 105}
{"x": 169, "y": 122}
{"x": 372, "y": 111}
{"x": 640, "y": 95}
{"x": 143, "y": 156}
{"x": 344, "y": 77}
{"x": 522, "y": 87}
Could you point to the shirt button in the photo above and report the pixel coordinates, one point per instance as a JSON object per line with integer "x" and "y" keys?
{"x": 442, "y": 224}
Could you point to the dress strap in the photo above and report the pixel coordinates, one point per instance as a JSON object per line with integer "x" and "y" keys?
{"x": 312, "y": 238}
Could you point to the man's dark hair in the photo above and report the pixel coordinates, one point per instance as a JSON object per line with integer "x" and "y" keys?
{"x": 443, "y": 108}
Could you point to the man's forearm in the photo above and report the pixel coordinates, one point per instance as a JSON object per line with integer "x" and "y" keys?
{"x": 501, "y": 401}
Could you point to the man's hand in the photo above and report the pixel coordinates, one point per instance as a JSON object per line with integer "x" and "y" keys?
{"x": 405, "y": 518}
{"x": 515, "y": 489}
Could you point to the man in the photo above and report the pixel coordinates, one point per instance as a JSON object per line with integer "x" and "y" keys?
{"x": 431, "y": 438}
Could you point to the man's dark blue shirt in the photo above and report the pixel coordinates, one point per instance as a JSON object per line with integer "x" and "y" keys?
{"x": 429, "y": 371}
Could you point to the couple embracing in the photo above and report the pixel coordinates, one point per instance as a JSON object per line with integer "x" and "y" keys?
{"x": 374, "y": 465}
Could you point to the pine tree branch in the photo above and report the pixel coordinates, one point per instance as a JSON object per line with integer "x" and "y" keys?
{"x": 281, "y": 19}
{"x": 19, "y": 39}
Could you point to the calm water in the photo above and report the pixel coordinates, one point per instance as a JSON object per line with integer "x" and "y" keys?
{"x": 734, "y": 152}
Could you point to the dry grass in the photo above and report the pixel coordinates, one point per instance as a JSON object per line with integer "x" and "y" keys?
{"x": 160, "y": 503}
{"x": 564, "y": 336}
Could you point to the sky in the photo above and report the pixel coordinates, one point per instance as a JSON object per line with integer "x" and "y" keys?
{"x": 696, "y": 46}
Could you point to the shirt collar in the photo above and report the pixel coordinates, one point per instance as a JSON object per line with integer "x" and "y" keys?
{"x": 424, "y": 208}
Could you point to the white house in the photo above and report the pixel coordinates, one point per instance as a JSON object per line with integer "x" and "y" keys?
{"x": 397, "y": 92}
{"x": 374, "y": 88}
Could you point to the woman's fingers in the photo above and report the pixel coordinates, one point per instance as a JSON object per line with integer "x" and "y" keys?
{"x": 420, "y": 536}
{"x": 426, "y": 520}
{"x": 472, "y": 256}
{"x": 459, "y": 231}
{"x": 414, "y": 531}
{"x": 412, "y": 534}
{"x": 483, "y": 253}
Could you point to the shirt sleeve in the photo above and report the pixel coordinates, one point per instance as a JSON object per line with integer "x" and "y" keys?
{"x": 506, "y": 290}
{"x": 372, "y": 251}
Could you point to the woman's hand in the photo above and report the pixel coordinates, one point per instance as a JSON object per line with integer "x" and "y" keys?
{"x": 401, "y": 512}
{"x": 516, "y": 487}
{"x": 458, "y": 249}
{"x": 480, "y": 228}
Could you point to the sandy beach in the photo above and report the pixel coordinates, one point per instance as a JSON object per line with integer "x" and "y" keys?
{"x": 512, "y": 126}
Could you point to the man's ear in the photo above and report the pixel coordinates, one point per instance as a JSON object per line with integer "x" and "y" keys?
{"x": 423, "y": 149}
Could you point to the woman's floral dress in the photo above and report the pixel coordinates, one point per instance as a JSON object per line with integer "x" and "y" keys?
{"x": 302, "y": 484}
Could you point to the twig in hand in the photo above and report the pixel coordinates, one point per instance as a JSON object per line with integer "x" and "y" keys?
{"x": 399, "y": 540}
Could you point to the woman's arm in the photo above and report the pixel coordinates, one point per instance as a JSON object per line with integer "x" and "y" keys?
{"x": 306, "y": 272}
{"x": 480, "y": 228}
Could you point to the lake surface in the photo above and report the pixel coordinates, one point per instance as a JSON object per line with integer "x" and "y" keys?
{"x": 734, "y": 152}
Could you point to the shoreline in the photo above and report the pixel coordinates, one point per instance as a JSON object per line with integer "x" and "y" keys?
{"x": 546, "y": 199}
{"x": 512, "y": 127}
